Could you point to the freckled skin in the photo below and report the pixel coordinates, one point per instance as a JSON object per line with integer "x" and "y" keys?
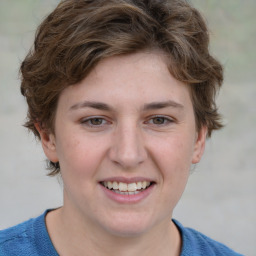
{"x": 128, "y": 143}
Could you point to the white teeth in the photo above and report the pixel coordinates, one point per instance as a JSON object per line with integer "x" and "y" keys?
{"x": 127, "y": 189}
{"x": 145, "y": 184}
{"x": 122, "y": 186}
{"x": 127, "y": 193}
{"x": 109, "y": 184}
{"x": 139, "y": 185}
{"x": 132, "y": 187}
{"x": 115, "y": 185}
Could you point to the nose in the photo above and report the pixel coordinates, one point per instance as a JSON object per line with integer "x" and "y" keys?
{"x": 127, "y": 147}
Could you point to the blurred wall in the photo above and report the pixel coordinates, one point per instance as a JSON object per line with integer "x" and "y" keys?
{"x": 220, "y": 199}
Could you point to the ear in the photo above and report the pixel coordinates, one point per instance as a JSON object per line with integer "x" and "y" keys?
{"x": 199, "y": 145}
{"x": 48, "y": 143}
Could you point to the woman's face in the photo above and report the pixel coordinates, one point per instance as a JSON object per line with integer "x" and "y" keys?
{"x": 125, "y": 138}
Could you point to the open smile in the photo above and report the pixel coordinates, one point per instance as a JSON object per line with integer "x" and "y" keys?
{"x": 124, "y": 192}
{"x": 127, "y": 188}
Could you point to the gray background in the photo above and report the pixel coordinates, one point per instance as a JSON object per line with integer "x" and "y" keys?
{"x": 220, "y": 199}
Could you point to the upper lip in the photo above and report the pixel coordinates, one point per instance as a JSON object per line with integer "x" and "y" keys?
{"x": 127, "y": 179}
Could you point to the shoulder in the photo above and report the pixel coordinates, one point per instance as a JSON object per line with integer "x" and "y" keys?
{"x": 14, "y": 240}
{"x": 196, "y": 243}
{"x": 26, "y": 238}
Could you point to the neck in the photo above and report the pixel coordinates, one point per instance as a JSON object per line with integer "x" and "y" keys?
{"x": 72, "y": 235}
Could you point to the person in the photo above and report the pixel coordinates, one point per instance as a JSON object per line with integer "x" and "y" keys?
{"x": 121, "y": 94}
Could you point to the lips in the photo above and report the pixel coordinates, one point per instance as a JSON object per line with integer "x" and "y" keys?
{"x": 127, "y": 186}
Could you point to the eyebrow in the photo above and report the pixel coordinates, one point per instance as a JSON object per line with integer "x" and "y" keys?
{"x": 146, "y": 107}
{"x": 164, "y": 104}
{"x": 91, "y": 104}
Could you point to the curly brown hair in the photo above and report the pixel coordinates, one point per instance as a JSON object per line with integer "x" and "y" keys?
{"x": 79, "y": 33}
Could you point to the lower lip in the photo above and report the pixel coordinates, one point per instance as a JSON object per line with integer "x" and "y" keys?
{"x": 127, "y": 199}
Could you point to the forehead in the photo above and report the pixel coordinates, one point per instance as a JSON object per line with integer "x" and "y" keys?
{"x": 134, "y": 79}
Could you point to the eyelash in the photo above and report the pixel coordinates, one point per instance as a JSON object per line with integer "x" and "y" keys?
{"x": 88, "y": 122}
{"x": 103, "y": 121}
{"x": 166, "y": 120}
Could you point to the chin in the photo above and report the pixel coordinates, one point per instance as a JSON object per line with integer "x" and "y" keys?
{"x": 124, "y": 231}
{"x": 128, "y": 225}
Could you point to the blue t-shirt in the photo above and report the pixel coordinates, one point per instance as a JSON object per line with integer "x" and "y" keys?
{"x": 31, "y": 238}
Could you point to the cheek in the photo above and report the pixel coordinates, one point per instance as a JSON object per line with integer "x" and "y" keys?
{"x": 174, "y": 154}
{"x": 79, "y": 156}
{"x": 173, "y": 159}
